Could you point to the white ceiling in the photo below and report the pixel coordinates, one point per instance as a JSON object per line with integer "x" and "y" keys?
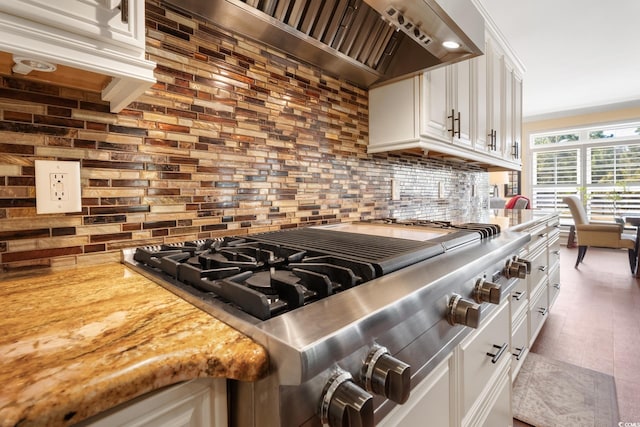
{"x": 579, "y": 55}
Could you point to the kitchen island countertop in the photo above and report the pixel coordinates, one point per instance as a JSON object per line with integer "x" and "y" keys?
{"x": 77, "y": 342}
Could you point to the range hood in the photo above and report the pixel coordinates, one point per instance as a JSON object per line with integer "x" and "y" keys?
{"x": 363, "y": 41}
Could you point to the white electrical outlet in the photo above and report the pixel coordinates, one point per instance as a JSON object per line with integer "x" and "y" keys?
{"x": 58, "y": 187}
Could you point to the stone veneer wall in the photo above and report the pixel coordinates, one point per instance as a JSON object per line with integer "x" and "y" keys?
{"x": 234, "y": 138}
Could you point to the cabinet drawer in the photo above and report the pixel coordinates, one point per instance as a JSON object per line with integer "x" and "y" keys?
{"x": 538, "y": 237}
{"x": 430, "y": 400}
{"x": 538, "y": 310}
{"x": 539, "y": 267}
{"x": 200, "y": 402}
{"x": 554, "y": 250}
{"x": 519, "y": 344}
{"x": 481, "y": 354}
{"x": 501, "y": 413}
{"x": 554, "y": 284}
{"x": 519, "y": 297}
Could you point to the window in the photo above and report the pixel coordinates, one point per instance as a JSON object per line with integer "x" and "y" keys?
{"x": 615, "y": 164}
{"x": 556, "y": 174}
{"x": 601, "y": 164}
{"x": 556, "y": 167}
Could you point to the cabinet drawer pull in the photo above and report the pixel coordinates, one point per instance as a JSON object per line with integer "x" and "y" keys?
{"x": 520, "y": 352}
{"x": 542, "y": 268}
{"x": 518, "y": 295}
{"x": 543, "y": 311}
{"x": 541, "y": 235}
{"x": 496, "y": 356}
{"x": 557, "y": 286}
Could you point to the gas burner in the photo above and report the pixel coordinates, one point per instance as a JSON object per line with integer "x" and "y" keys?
{"x": 270, "y": 273}
{"x": 260, "y": 278}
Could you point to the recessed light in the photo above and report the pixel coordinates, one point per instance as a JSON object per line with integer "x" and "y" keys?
{"x": 450, "y": 44}
{"x": 24, "y": 65}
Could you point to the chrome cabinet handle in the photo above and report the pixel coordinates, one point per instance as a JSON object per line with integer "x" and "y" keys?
{"x": 542, "y": 268}
{"x": 557, "y": 286}
{"x": 520, "y": 350}
{"x": 496, "y": 356}
{"x": 543, "y": 311}
{"x": 518, "y": 295}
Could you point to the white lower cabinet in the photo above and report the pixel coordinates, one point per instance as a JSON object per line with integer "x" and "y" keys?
{"x": 196, "y": 403}
{"x": 429, "y": 404}
{"x": 500, "y": 411}
{"x": 482, "y": 354}
{"x": 554, "y": 285}
{"x": 519, "y": 342}
{"x": 483, "y": 362}
{"x": 538, "y": 309}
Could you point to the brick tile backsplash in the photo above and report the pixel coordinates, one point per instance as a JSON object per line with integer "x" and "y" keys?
{"x": 234, "y": 138}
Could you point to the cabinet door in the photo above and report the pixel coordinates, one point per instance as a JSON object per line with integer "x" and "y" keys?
{"x": 481, "y": 119}
{"x": 392, "y": 112}
{"x": 461, "y": 87}
{"x": 538, "y": 309}
{"x": 501, "y": 411}
{"x": 113, "y": 22}
{"x": 496, "y": 91}
{"x": 517, "y": 116}
{"x": 436, "y": 120}
{"x": 507, "y": 122}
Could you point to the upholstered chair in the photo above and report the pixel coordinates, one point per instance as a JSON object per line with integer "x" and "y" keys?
{"x": 599, "y": 234}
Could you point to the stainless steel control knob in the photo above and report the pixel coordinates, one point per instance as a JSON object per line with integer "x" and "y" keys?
{"x": 514, "y": 269}
{"x": 345, "y": 404}
{"x": 463, "y": 312}
{"x": 487, "y": 292}
{"x": 385, "y": 375}
{"x": 523, "y": 261}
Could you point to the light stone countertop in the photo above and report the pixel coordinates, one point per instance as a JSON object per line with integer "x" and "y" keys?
{"x": 76, "y": 342}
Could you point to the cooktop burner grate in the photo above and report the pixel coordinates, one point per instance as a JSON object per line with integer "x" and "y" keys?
{"x": 271, "y": 273}
{"x": 386, "y": 254}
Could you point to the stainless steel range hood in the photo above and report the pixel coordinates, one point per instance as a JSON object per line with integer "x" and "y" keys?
{"x": 363, "y": 41}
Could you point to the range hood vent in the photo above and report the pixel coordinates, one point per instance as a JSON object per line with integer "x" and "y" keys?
{"x": 364, "y": 41}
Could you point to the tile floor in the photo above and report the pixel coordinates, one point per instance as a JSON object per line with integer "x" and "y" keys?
{"x": 595, "y": 323}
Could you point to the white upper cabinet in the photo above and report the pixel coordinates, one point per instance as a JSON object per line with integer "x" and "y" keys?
{"x": 481, "y": 135}
{"x": 502, "y": 136}
{"x": 100, "y": 36}
{"x": 517, "y": 117}
{"x": 448, "y": 112}
{"x": 495, "y": 91}
{"x": 470, "y": 110}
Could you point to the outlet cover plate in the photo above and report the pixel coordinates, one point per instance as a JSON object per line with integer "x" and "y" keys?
{"x": 58, "y": 187}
